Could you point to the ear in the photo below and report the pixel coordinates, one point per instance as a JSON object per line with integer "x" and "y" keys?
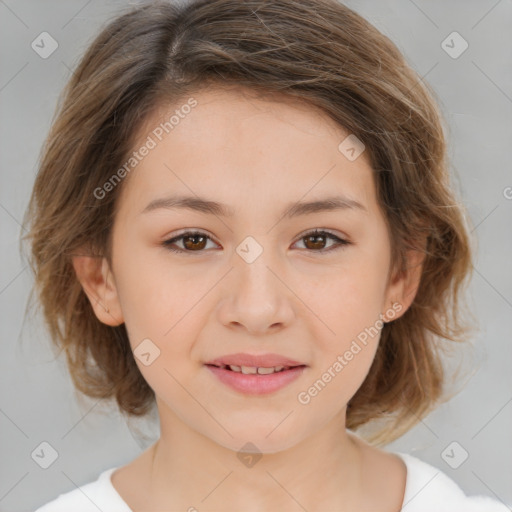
{"x": 98, "y": 283}
{"x": 403, "y": 285}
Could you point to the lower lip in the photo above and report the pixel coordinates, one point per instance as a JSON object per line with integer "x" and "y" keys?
{"x": 256, "y": 384}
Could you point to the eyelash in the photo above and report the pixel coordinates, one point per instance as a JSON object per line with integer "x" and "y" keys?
{"x": 341, "y": 243}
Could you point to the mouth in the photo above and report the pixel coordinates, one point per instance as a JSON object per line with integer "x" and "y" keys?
{"x": 256, "y": 380}
{"x": 247, "y": 363}
{"x": 255, "y": 370}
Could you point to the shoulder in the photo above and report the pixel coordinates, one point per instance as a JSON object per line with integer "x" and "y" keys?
{"x": 428, "y": 488}
{"x": 90, "y": 497}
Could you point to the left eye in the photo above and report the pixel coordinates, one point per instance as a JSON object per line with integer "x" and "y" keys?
{"x": 195, "y": 241}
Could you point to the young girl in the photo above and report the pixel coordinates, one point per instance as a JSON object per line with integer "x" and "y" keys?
{"x": 243, "y": 216}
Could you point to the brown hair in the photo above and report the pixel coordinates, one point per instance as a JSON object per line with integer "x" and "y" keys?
{"x": 317, "y": 51}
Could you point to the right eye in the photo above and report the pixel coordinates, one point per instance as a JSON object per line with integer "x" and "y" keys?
{"x": 194, "y": 241}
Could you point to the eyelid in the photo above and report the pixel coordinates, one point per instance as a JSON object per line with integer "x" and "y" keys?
{"x": 190, "y": 232}
{"x": 328, "y": 231}
{"x": 198, "y": 231}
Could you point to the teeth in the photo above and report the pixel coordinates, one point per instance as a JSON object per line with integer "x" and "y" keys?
{"x": 266, "y": 371}
{"x": 251, "y": 370}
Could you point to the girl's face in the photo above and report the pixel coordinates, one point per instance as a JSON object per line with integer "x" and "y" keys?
{"x": 256, "y": 280}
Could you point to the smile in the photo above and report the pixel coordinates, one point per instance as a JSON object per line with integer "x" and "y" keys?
{"x": 256, "y": 380}
{"x": 247, "y": 370}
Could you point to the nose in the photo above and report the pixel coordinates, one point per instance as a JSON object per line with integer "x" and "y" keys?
{"x": 257, "y": 299}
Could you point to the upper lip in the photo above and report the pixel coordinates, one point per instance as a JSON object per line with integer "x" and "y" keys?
{"x": 256, "y": 361}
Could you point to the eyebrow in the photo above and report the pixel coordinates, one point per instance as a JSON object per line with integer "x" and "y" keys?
{"x": 294, "y": 209}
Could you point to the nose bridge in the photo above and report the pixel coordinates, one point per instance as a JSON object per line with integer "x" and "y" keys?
{"x": 254, "y": 279}
{"x": 258, "y": 300}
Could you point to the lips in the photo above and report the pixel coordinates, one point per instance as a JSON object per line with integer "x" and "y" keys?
{"x": 256, "y": 374}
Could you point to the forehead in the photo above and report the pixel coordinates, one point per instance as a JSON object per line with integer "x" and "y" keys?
{"x": 240, "y": 147}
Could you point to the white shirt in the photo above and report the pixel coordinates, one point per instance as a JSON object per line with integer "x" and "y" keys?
{"x": 427, "y": 489}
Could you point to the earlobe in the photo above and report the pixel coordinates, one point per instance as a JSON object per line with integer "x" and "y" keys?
{"x": 98, "y": 283}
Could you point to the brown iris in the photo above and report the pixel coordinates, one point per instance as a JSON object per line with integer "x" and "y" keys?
{"x": 195, "y": 245}
{"x": 318, "y": 241}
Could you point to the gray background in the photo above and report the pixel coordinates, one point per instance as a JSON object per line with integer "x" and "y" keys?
{"x": 37, "y": 401}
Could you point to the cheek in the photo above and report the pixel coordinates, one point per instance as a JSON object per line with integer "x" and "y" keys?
{"x": 346, "y": 340}
{"x": 349, "y": 298}
{"x": 154, "y": 291}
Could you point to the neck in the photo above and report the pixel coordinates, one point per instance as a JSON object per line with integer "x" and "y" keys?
{"x": 190, "y": 471}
